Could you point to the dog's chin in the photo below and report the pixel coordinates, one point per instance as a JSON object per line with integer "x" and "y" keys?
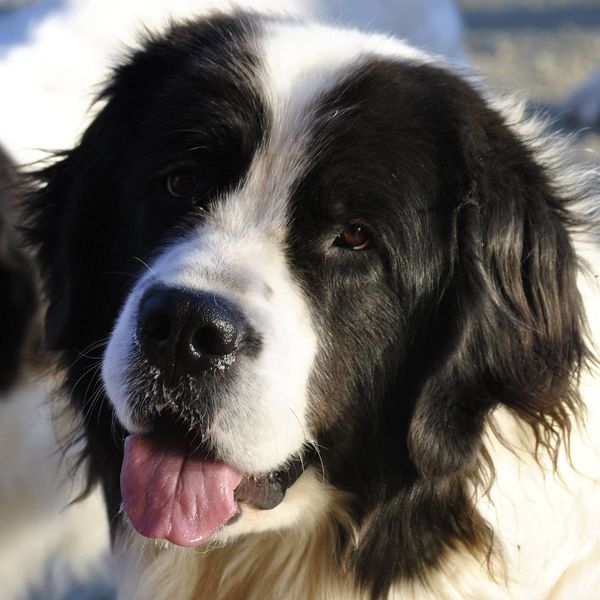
{"x": 187, "y": 496}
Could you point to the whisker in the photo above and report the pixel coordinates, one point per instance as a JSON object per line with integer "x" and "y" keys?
{"x": 312, "y": 443}
{"x": 145, "y": 265}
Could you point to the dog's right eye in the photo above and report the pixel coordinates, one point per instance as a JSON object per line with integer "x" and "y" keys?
{"x": 181, "y": 184}
{"x": 354, "y": 237}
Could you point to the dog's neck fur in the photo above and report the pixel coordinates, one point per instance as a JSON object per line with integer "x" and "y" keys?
{"x": 297, "y": 564}
{"x": 302, "y": 562}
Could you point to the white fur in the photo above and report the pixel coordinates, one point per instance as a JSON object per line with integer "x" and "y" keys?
{"x": 265, "y": 408}
{"x": 43, "y": 541}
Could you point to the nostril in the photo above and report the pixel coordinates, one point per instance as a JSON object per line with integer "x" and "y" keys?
{"x": 184, "y": 332}
{"x": 214, "y": 340}
{"x": 206, "y": 341}
{"x": 157, "y": 327}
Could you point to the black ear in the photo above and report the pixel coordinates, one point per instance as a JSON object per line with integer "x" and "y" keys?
{"x": 68, "y": 231}
{"x": 73, "y": 212}
{"x": 72, "y": 216}
{"x": 52, "y": 228}
{"x": 510, "y": 329}
{"x": 18, "y": 293}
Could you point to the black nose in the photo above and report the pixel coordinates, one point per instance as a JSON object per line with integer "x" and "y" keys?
{"x": 181, "y": 331}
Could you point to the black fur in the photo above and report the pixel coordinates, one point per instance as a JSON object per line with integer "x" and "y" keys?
{"x": 88, "y": 196}
{"x": 466, "y": 300}
{"x": 18, "y": 301}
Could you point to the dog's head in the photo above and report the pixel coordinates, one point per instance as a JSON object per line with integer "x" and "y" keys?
{"x": 306, "y": 248}
{"x": 17, "y": 283}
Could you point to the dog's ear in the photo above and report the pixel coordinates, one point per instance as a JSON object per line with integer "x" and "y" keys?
{"x": 510, "y": 327}
{"x": 68, "y": 231}
{"x": 18, "y": 301}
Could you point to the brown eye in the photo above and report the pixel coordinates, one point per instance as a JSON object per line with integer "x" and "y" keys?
{"x": 181, "y": 184}
{"x": 354, "y": 237}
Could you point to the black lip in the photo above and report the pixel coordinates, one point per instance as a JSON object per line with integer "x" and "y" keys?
{"x": 268, "y": 491}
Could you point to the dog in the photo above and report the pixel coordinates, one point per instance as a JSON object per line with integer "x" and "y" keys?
{"x": 348, "y": 301}
{"x": 43, "y": 544}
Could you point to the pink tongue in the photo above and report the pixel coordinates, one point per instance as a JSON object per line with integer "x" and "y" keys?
{"x": 169, "y": 495}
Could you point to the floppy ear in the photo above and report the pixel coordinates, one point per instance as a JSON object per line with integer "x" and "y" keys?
{"x": 72, "y": 215}
{"x": 511, "y": 316}
{"x": 73, "y": 212}
{"x": 68, "y": 231}
{"x": 53, "y": 227}
{"x": 18, "y": 300}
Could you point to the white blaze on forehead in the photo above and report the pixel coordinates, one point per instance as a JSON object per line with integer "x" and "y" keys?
{"x": 302, "y": 60}
{"x": 299, "y": 62}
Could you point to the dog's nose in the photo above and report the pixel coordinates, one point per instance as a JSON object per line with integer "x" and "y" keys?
{"x": 181, "y": 331}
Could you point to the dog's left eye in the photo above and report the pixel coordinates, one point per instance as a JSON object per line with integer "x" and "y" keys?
{"x": 354, "y": 237}
{"x": 181, "y": 184}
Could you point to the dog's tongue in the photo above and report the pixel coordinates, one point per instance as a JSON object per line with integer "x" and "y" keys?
{"x": 170, "y": 495}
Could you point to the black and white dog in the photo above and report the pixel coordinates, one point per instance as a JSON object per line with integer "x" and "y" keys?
{"x": 348, "y": 300}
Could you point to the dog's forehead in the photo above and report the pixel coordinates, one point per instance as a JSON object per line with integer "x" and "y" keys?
{"x": 298, "y": 66}
{"x": 301, "y": 61}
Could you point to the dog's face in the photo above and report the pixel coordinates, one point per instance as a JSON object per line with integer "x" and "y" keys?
{"x": 304, "y": 247}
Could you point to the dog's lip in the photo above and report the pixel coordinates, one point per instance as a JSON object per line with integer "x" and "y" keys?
{"x": 267, "y": 491}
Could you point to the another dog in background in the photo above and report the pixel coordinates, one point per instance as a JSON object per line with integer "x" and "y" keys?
{"x": 351, "y": 305}
{"x": 18, "y": 297}
{"x": 42, "y": 545}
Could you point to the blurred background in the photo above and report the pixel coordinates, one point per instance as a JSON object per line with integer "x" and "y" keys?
{"x": 52, "y": 54}
{"x": 547, "y": 49}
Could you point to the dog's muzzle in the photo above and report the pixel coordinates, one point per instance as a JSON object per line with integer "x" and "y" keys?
{"x": 184, "y": 332}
